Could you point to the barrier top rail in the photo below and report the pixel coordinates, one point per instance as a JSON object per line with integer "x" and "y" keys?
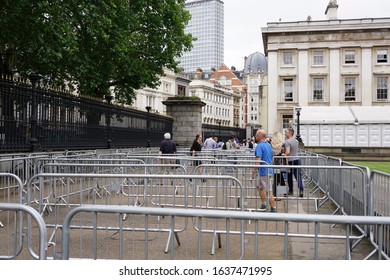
{"x": 289, "y": 166}
{"x": 148, "y": 176}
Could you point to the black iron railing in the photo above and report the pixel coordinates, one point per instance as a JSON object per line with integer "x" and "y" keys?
{"x": 34, "y": 118}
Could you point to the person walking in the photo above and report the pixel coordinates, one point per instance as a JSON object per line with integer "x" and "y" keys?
{"x": 167, "y": 146}
{"x": 264, "y": 156}
{"x": 291, "y": 145}
{"x": 196, "y": 148}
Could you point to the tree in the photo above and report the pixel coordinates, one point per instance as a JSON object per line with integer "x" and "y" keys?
{"x": 95, "y": 46}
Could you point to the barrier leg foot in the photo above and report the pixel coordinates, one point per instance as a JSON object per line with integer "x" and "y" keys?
{"x": 168, "y": 242}
{"x": 213, "y": 244}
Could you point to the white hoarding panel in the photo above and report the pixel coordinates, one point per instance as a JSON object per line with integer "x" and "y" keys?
{"x": 338, "y": 135}
{"x": 303, "y": 131}
{"x": 385, "y": 135}
{"x": 314, "y": 135}
{"x": 375, "y": 139}
{"x": 325, "y": 135}
{"x": 350, "y": 135}
{"x": 362, "y": 135}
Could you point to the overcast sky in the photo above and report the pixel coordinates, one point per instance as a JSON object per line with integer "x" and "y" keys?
{"x": 245, "y": 18}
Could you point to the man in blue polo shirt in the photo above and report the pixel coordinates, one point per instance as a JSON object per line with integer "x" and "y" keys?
{"x": 264, "y": 156}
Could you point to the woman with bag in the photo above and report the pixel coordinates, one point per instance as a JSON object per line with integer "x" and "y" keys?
{"x": 278, "y": 149}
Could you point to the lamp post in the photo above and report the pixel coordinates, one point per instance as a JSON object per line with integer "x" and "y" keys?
{"x": 298, "y": 112}
{"x": 148, "y": 126}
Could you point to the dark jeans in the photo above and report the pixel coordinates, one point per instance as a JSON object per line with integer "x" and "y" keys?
{"x": 297, "y": 175}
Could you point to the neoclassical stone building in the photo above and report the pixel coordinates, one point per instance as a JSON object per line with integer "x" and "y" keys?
{"x": 171, "y": 84}
{"x": 332, "y": 62}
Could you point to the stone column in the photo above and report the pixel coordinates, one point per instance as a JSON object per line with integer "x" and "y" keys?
{"x": 187, "y": 118}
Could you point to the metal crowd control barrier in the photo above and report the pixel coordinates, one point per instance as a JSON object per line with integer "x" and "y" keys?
{"x": 356, "y": 199}
{"x": 351, "y": 198}
{"x": 380, "y": 207}
{"x": 119, "y": 168}
{"x": 293, "y": 204}
{"x": 11, "y": 191}
{"x": 313, "y": 175}
{"x": 23, "y": 167}
{"x": 11, "y": 188}
{"x": 55, "y": 194}
{"x": 11, "y": 235}
{"x": 189, "y": 162}
{"x": 44, "y": 161}
{"x": 26, "y": 166}
{"x": 247, "y": 174}
{"x": 127, "y": 245}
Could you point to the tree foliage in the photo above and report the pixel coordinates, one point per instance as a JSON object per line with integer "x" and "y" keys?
{"x": 95, "y": 45}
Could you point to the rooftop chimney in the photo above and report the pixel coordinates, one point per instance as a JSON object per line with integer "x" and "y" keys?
{"x": 199, "y": 73}
{"x": 331, "y": 10}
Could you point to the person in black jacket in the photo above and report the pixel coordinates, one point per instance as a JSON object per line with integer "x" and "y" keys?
{"x": 196, "y": 148}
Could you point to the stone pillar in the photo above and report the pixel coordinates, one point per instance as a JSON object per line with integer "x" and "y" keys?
{"x": 187, "y": 118}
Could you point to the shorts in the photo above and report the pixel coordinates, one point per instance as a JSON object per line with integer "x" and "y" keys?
{"x": 264, "y": 182}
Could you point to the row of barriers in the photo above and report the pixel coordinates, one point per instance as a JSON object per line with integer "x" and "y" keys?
{"x": 125, "y": 244}
{"x": 58, "y": 184}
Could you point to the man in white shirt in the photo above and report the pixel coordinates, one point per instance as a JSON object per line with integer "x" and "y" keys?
{"x": 209, "y": 143}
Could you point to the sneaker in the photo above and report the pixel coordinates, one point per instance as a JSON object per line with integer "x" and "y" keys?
{"x": 301, "y": 194}
{"x": 263, "y": 208}
{"x": 273, "y": 210}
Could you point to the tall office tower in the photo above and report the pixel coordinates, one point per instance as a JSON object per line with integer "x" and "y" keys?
{"x": 207, "y": 25}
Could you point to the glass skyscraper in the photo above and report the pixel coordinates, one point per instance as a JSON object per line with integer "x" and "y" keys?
{"x": 207, "y": 25}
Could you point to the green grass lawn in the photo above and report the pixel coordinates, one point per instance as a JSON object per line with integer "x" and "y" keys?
{"x": 375, "y": 165}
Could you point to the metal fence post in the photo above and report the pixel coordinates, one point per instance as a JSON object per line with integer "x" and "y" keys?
{"x": 34, "y": 78}
{"x": 108, "y": 120}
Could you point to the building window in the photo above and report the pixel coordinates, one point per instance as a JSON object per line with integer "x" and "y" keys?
{"x": 287, "y": 90}
{"x": 181, "y": 90}
{"x": 287, "y": 58}
{"x": 254, "y": 89}
{"x": 381, "y": 56}
{"x": 287, "y": 121}
{"x": 223, "y": 81}
{"x": 318, "y": 58}
{"x": 318, "y": 89}
{"x": 150, "y": 101}
{"x": 350, "y": 57}
{"x": 381, "y": 88}
{"x": 350, "y": 89}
